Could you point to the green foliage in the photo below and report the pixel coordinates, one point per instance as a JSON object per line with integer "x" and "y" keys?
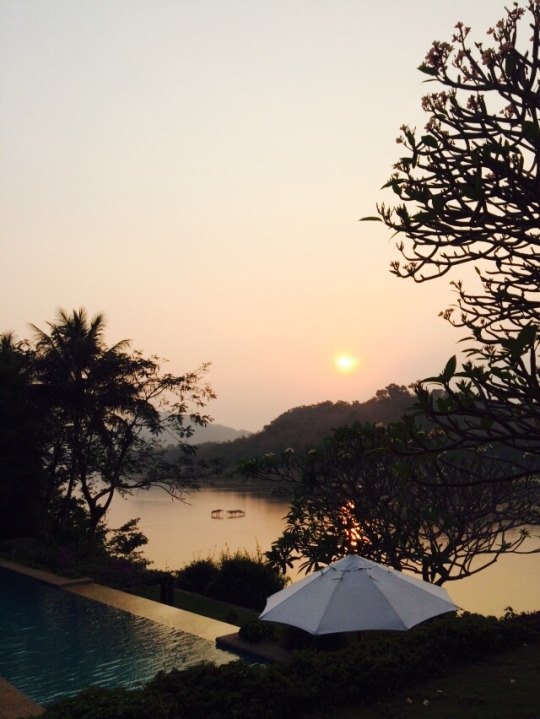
{"x": 257, "y": 631}
{"x": 112, "y": 560}
{"x": 245, "y": 582}
{"x": 238, "y": 578}
{"x": 125, "y": 542}
{"x": 197, "y": 576}
{"x": 372, "y": 670}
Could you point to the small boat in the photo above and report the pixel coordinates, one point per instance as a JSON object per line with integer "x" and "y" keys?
{"x": 233, "y": 513}
{"x": 217, "y": 514}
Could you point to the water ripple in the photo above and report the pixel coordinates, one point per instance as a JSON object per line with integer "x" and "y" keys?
{"x": 54, "y": 643}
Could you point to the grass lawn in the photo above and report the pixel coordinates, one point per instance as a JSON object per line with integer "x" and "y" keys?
{"x": 205, "y": 606}
{"x": 505, "y": 687}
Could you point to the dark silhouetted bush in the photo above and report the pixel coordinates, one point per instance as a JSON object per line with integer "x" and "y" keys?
{"x": 257, "y": 631}
{"x": 196, "y": 576}
{"x": 242, "y": 579}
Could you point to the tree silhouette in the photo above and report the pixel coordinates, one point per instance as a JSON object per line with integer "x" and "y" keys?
{"x": 350, "y": 493}
{"x": 107, "y": 406}
{"x": 23, "y": 441}
{"x": 469, "y": 194}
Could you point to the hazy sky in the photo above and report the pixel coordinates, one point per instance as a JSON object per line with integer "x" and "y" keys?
{"x": 196, "y": 169}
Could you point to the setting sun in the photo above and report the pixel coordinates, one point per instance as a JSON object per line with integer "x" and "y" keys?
{"x": 346, "y": 363}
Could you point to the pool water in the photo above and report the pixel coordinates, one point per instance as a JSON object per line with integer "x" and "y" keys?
{"x": 54, "y": 643}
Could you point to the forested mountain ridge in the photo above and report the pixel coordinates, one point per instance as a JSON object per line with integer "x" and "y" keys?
{"x": 309, "y": 424}
{"x": 216, "y": 433}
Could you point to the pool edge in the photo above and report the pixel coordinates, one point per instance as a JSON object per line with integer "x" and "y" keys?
{"x": 14, "y": 704}
{"x": 187, "y": 622}
{"x": 43, "y": 576}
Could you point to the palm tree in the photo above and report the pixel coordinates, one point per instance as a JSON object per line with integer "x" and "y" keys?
{"x": 107, "y": 403}
{"x": 77, "y": 371}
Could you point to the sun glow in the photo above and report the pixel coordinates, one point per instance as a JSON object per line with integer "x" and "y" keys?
{"x": 346, "y": 363}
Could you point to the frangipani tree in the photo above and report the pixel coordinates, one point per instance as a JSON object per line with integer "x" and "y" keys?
{"x": 468, "y": 194}
{"x": 350, "y": 493}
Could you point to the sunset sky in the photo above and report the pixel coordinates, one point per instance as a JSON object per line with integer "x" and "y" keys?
{"x": 196, "y": 170}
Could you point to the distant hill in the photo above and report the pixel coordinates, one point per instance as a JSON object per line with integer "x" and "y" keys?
{"x": 306, "y": 425}
{"x": 216, "y": 433}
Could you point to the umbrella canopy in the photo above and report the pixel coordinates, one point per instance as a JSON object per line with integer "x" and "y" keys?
{"x": 356, "y": 594}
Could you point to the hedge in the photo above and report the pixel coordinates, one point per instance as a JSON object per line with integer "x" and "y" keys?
{"x": 372, "y": 670}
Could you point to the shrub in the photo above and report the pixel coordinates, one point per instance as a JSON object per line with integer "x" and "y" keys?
{"x": 239, "y": 578}
{"x": 196, "y": 576}
{"x": 257, "y": 631}
{"x": 245, "y": 581}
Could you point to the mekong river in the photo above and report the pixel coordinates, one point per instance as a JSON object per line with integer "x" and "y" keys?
{"x": 180, "y": 532}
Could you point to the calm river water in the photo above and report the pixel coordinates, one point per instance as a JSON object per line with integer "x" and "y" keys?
{"x": 180, "y": 532}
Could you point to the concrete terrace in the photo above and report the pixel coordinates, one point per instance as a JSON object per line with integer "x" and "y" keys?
{"x": 14, "y": 705}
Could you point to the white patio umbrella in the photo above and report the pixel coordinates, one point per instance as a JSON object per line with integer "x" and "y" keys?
{"x": 356, "y": 594}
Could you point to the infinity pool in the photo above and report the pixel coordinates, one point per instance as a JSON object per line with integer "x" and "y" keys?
{"x": 54, "y": 643}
